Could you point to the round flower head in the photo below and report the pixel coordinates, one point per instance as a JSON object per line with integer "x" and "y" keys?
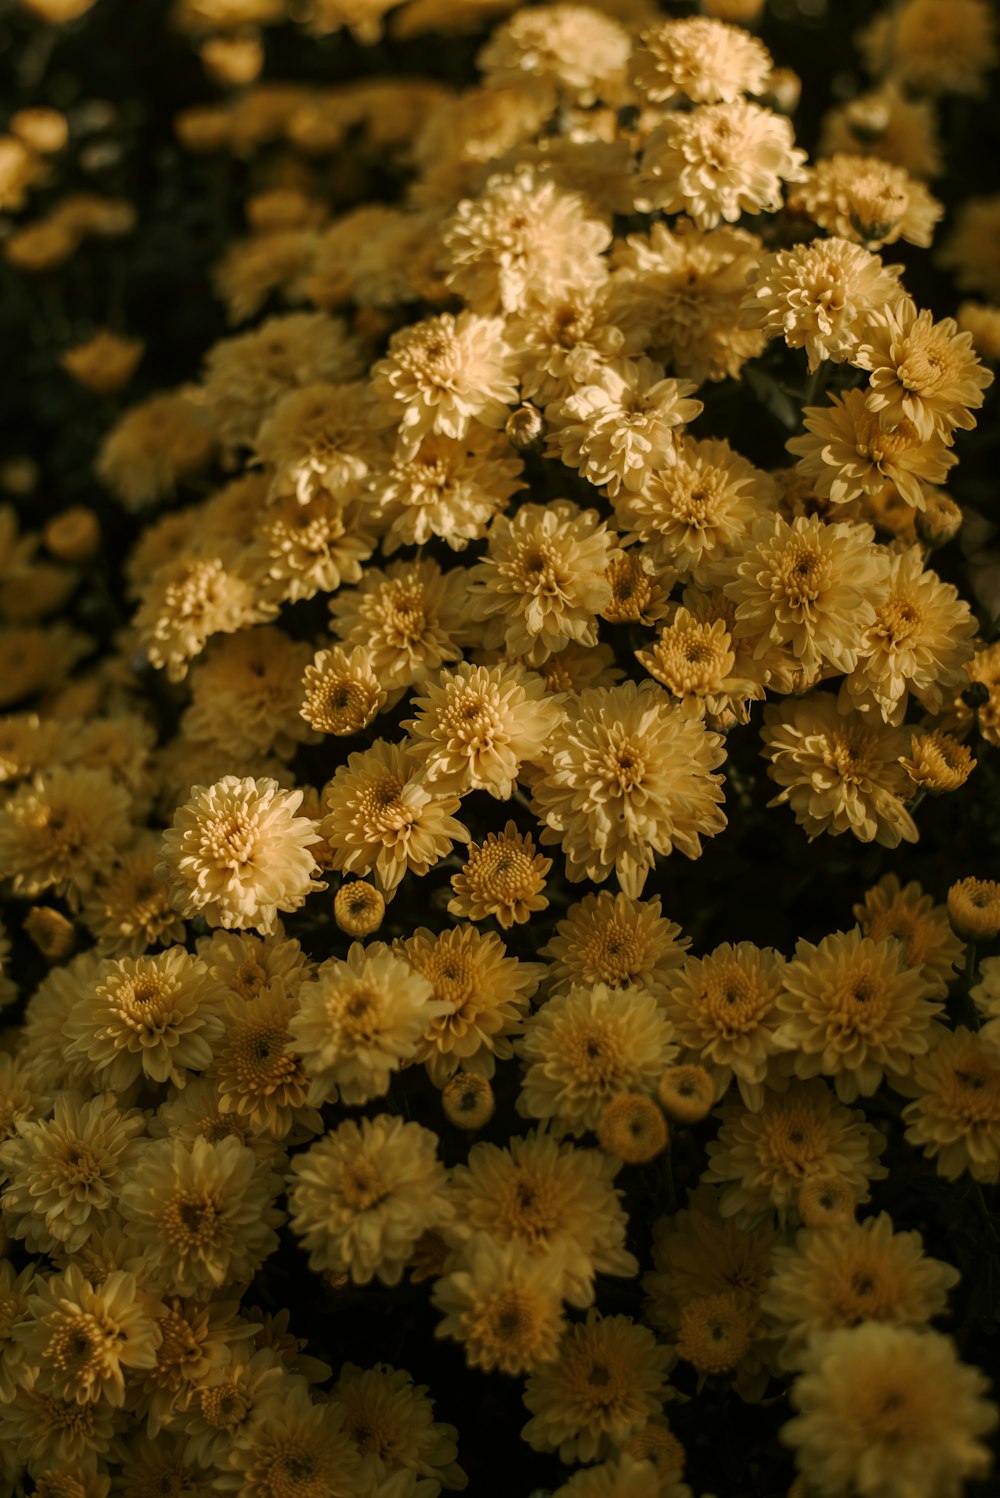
{"x": 613, "y": 939}
{"x": 889, "y": 1412}
{"x": 763, "y": 1159}
{"x": 866, "y": 200}
{"x": 380, "y": 820}
{"x": 840, "y": 772}
{"x": 64, "y": 1174}
{"x": 716, "y": 1332}
{"x": 189, "y": 599}
{"x": 61, "y": 830}
{"x": 358, "y": 907}
{"x": 444, "y": 374}
{"x": 522, "y": 239}
{"x": 245, "y": 964}
{"x": 818, "y": 297}
{"x": 39, "y": 1430}
{"x": 294, "y": 1449}
{"x": 128, "y": 910}
{"x": 155, "y": 445}
{"x": 719, "y": 161}
{"x": 301, "y": 548}
{"x": 570, "y": 50}
{"x": 632, "y": 1128}
{"x": 260, "y": 1080}
{"x": 923, "y": 928}
{"x": 243, "y": 694}
{"x": 223, "y": 1407}
{"x": 237, "y": 854}
{"x": 358, "y": 1021}
{"x": 584, "y": 1047}
{"x": 341, "y": 693}
{"x": 982, "y": 322}
{"x": 631, "y": 777}
{"x": 448, "y": 487}
{"x": 154, "y": 1017}
{"x": 361, "y": 1197}
{"x": 391, "y": 1422}
{"x": 933, "y": 46}
{"x": 408, "y": 618}
{"x": 852, "y": 1009}
{"x": 609, "y": 1376}
{"x": 467, "y": 1100}
{"x": 202, "y": 1214}
{"x": 970, "y": 250}
{"x": 475, "y": 726}
{"x": 693, "y": 659}
{"x": 503, "y": 876}
{"x": 686, "y": 1093}
{"x": 955, "y": 1114}
{"x": 486, "y": 993}
{"x": 862, "y": 1271}
{"x": 503, "y": 1304}
{"x": 922, "y": 372}
{"x": 974, "y": 909}
{"x": 542, "y": 581}
{"x": 700, "y": 59}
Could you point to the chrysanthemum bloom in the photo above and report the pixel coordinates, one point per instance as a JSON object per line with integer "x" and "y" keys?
{"x": 340, "y": 692}
{"x": 301, "y": 549}
{"x": 609, "y": 1376}
{"x": 630, "y": 777}
{"x": 716, "y": 1332}
{"x": 938, "y": 762}
{"x": 550, "y": 1196}
{"x": 361, "y": 1197}
{"x": 570, "y": 50}
{"x": 245, "y": 963}
{"x": 448, "y": 487}
{"x": 196, "y": 1113}
{"x": 621, "y": 427}
{"x": 616, "y": 940}
{"x": 391, "y": 1422}
{"x": 294, "y": 1449}
{"x": 810, "y": 586}
{"x": 676, "y": 293}
{"x": 974, "y": 909}
{"x": 719, "y": 161}
{"x": 380, "y": 819}
{"x": 852, "y": 1009}
{"x": 155, "y": 1017}
{"x": 698, "y": 1254}
{"x": 585, "y": 1046}
{"x": 890, "y": 1412}
{"x": 818, "y": 296}
{"x": 923, "y": 928}
{"x": 969, "y": 252}
{"x": 933, "y": 46}
{"x": 105, "y": 362}
{"x": 862, "y": 1271}
{"x": 444, "y": 374}
{"x": 694, "y": 512}
{"x": 321, "y": 440}
{"x": 763, "y": 1159}
{"x": 955, "y": 1115}
{"x": 410, "y": 618}
{"x": 358, "y": 907}
{"x": 189, "y": 599}
{"x": 561, "y": 342}
{"x": 60, "y": 830}
{"x": 468, "y": 1100}
{"x": 244, "y": 697}
{"x": 202, "y": 1214}
{"x": 542, "y": 581}
{"x": 919, "y": 642}
{"x": 15, "y": 1288}
{"x": 502, "y": 1303}
{"x": 622, "y": 1476}
{"x": 64, "y": 1174}
{"x": 82, "y": 1340}
{"x": 503, "y": 876}
{"x": 522, "y": 239}
{"x": 889, "y": 123}
{"x": 475, "y": 726}
{"x": 259, "y": 1076}
{"x": 694, "y": 660}
{"x": 686, "y": 1093}
{"x": 40, "y": 1430}
{"x": 59, "y": 1480}
{"x": 923, "y": 372}
{"x": 700, "y": 59}
{"x": 128, "y": 910}
{"x": 197, "y": 1338}
{"x": 982, "y": 323}
{"x": 866, "y": 200}
{"x": 638, "y": 592}
{"x": 222, "y": 1408}
{"x": 839, "y": 772}
{"x": 358, "y": 1021}
{"x": 487, "y": 994}
{"x": 826, "y": 1202}
{"x": 237, "y": 854}
{"x": 723, "y": 1008}
{"x": 632, "y": 1128}
{"x": 155, "y": 445}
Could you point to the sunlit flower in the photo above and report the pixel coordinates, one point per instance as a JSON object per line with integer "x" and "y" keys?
{"x": 503, "y": 876}
{"x": 866, "y": 200}
{"x": 922, "y": 372}
{"x": 571, "y": 50}
{"x": 448, "y": 487}
{"x": 698, "y": 58}
{"x": 340, "y": 692}
{"x": 409, "y": 619}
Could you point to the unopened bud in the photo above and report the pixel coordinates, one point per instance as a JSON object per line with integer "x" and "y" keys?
{"x": 525, "y": 428}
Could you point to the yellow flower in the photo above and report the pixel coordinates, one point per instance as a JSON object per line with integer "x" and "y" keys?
{"x": 955, "y": 1114}
{"x": 409, "y": 618}
{"x": 929, "y": 944}
{"x": 974, "y": 909}
{"x": 866, "y": 200}
{"x": 448, "y": 487}
{"x": 887, "y": 123}
{"x": 294, "y": 1449}
{"x": 391, "y": 1421}
{"x": 503, "y": 1304}
{"x": 60, "y": 830}
{"x": 700, "y": 59}
{"x": 616, "y": 940}
{"x": 923, "y": 372}
{"x": 444, "y": 375}
{"x": 259, "y": 1077}
{"x": 341, "y": 693}
{"x": 933, "y": 46}
{"x": 571, "y": 50}
{"x": 503, "y": 876}
{"x": 105, "y": 363}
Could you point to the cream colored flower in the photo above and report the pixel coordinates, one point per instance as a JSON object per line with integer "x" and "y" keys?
{"x": 361, "y": 1197}
{"x": 694, "y": 660}
{"x": 358, "y": 1021}
{"x": 616, "y": 940}
{"x": 128, "y": 910}
{"x": 340, "y": 692}
{"x": 574, "y": 51}
{"x": 933, "y": 46}
{"x": 818, "y": 296}
{"x": 222, "y": 1409}
{"x": 188, "y": 600}
{"x": 379, "y": 818}
{"x": 587, "y": 1045}
{"x": 889, "y": 123}
{"x": 890, "y": 1412}
{"x": 866, "y": 200}
{"x": 955, "y": 1114}
{"x": 60, "y": 830}
{"x": 563, "y": 339}
{"x": 719, "y": 161}
{"x": 630, "y": 778}
{"x": 448, "y": 487}
{"x": 982, "y": 323}
{"x": 502, "y": 877}
{"x": 923, "y": 372}
{"x": 839, "y": 772}
{"x": 542, "y": 584}
{"x": 409, "y": 618}
{"x": 477, "y": 724}
{"x": 301, "y": 548}
{"x": 852, "y": 1009}
{"x": 700, "y": 59}
{"x": 244, "y": 697}
{"x": 201, "y": 1214}
{"x": 237, "y": 854}
{"x": 503, "y": 1304}
{"x": 154, "y": 446}
{"x": 522, "y": 239}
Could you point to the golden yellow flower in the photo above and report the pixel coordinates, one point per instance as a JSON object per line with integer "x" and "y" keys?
{"x": 301, "y": 548}
{"x": 187, "y": 600}
{"x": 923, "y": 372}
{"x": 906, "y": 913}
{"x": 294, "y": 1449}
{"x": 358, "y": 907}
{"x": 410, "y": 618}
{"x": 105, "y": 363}
{"x": 632, "y": 1128}
{"x": 866, "y": 200}
{"x": 128, "y": 910}
{"x": 888, "y": 123}
{"x": 258, "y": 1074}
{"x": 616, "y": 940}
{"x": 503, "y": 877}
{"x": 448, "y": 487}
{"x": 154, "y": 446}
{"x": 60, "y": 830}
{"x": 982, "y": 323}
{"x": 572, "y": 51}
{"x": 503, "y": 1304}
{"x": 444, "y": 375}
{"x": 686, "y": 1093}
{"x": 467, "y": 1100}
{"x": 341, "y": 693}
{"x": 974, "y": 909}
{"x": 244, "y": 695}
{"x": 391, "y": 1421}
{"x": 716, "y": 1332}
